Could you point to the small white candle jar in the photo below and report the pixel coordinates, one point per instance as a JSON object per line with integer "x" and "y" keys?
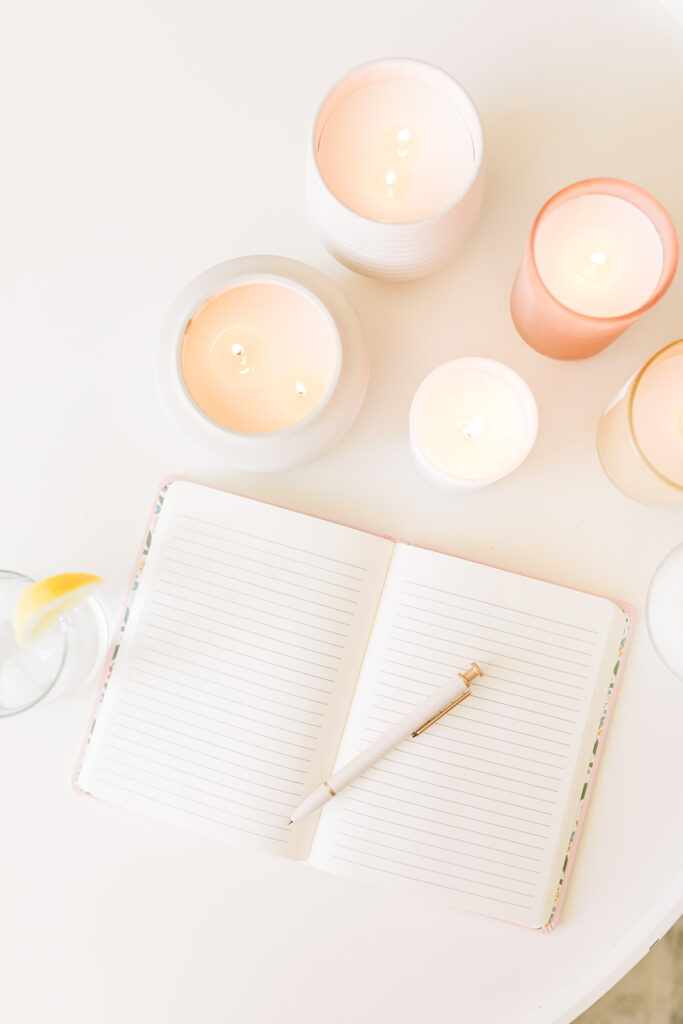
{"x": 395, "y": 175}
{"x": 472, "y": 421}
{"x": 262, "y": 361}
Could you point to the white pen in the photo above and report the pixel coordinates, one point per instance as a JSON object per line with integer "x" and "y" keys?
{"x": 412, "y": 724}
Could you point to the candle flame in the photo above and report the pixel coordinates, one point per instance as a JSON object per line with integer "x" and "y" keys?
{"x": 592, "y": 270}
{"x": 474, "y": 427}
{"x": 301, "y": 389}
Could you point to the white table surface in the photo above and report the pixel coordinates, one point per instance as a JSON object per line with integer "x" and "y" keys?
{"x": 141, "y": 143}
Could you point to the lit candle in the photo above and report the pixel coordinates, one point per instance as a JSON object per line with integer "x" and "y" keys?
{"x": 395, "y": 169}
{"x": 262, "y": 358}
{"x": 640, "y": 434}
{"x": 472, "y": 422}
{"x": 601, "y": 252}
{"x": 665, "y": 611}
{"x": 259, "y": 356}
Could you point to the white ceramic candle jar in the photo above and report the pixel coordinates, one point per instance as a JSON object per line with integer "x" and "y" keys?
{"x": 472, "y": 422}
{"x": 395, "y": 169}
{"x": 263, "y": 361}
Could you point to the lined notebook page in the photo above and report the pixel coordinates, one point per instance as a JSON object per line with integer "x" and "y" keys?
{"x": 472, "y": 809}
{"x": 229, "y": 694}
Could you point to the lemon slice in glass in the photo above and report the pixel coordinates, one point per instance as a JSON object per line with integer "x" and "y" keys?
{"x": 41, "y": 604}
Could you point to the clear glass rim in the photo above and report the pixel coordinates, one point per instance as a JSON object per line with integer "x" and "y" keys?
{"x": 406, "y": 68}
{"x": 648, "y": 205}
{"x": 631, "y": 399}
{"x": 11, "y": 574}
{"x": 648, "y": 616}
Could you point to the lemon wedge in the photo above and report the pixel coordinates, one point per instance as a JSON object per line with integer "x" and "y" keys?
{"x": 41, "y": 604}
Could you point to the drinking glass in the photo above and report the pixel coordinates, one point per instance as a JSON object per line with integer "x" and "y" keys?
{"x": 61, "y": 660}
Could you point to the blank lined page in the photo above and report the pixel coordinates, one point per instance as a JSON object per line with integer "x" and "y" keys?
{"x": 473, "y": 807}
{"x": 243, "y": 646}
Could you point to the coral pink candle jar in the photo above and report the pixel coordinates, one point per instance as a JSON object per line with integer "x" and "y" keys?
{"x": 601, "y": 252}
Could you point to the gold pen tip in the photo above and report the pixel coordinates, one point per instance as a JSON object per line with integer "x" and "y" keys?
{"x": 291, "y": 821}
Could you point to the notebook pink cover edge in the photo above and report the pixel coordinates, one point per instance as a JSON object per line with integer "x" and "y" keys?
{"x": 139, "y": 565}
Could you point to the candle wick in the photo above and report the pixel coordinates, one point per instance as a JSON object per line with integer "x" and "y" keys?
{"x": 474, "y": 427}
{"x": 591, "y": 271}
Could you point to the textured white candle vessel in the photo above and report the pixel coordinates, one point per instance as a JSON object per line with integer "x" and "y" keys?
{"x": 665, "y": 611}
{"x": 394, "y": 176}
{"x": 472, "y": 421}
{"x": 240, "y": 434}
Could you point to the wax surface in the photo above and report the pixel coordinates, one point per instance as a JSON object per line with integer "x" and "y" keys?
{"x": 396, "y": 151}
{"x": 470, "y": 424}
{"x": 259, "y": 357}
{"x": 658, "y": 416}
{"x": 599, "y": 255}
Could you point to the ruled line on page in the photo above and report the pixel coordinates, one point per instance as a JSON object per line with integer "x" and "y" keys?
{"x": 163, "y": 701}
{"x": 253, "y": 572}
{"x": 242, "y": 668}
{"x": 437, "y": 860}
{"x": 266, "y": 719}
{"x": 250, "y": 560}
{"x": 471, "y": 759}
{"x": 485, "y": 653}
{"x": 191, "y": 810}
{"x": 386, "y": 722}
{"x": 126, "y": 716}
{"x": 429, "y": 610}
{"x": 427, "y": 881}
{"x": 123, "y": 733}
{"x": 133, "y": 757}
{"x": 137, "y": 747}
{"x": 155, "y": 713}
{"x": 230, "y": 615}
{"x": 268, "y": 540}
{"x": 464, "y": 741}
{"x": 525, "y": 844}
{"x": 217, "y": 540}
{"x": 371, "y": 781}
{"x": 487, "y": 712}
{"x": 367, "y": 828}
{"x": 241, "y": 594}
{"x": 394, "y": 688}
{"x": 372, "y": 852}
{"x": 518, "y": 732}
{"x": 261, "y": 820}
{"x": 224, "y": 791}
{"x": 493, "y": 627}
{"x": 507, "y": 608}
{"x": 369, "y": 821}
{"x": 442, "y": 637}
{"x": 260, "y": 586}
{"x": 524, "y": 672}
{"x": 384, "y": 770}
{"x": 401, "y": 799}
{"x": 245, "y": 685}
{"x": 231, "y": 650}
{"x": 242, "y": 630}
{"x": 480, "y": 684}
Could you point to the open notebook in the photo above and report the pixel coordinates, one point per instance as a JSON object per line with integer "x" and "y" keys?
{"x": 262, "y": 645}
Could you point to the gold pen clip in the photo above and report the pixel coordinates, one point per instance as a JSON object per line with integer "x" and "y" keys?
{"x": 467, "y": 678}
